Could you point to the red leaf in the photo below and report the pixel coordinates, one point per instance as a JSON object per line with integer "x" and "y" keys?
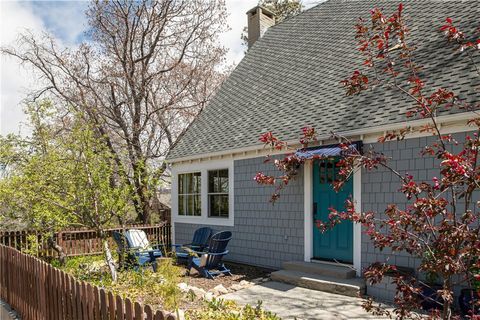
{"x": 449, "y": 20}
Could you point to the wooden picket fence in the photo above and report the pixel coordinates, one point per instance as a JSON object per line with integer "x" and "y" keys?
{"x": 38, "y": 291}
{"x": 81, "y": 242}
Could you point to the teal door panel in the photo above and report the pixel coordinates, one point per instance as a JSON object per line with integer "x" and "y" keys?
{"x": 337, "y": 243}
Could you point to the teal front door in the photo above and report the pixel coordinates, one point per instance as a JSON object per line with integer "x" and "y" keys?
{"x": 337, "y": 243}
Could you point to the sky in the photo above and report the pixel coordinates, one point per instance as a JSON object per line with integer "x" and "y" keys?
{"x": 66, "y": 22}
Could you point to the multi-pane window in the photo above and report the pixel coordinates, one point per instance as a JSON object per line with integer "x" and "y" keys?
{"x": 328, "y": 171}
{"x": 189, "y": 194}
{"x": 218, "y": 193}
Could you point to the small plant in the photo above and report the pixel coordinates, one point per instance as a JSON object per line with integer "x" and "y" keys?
{"x": 219, "y": 309}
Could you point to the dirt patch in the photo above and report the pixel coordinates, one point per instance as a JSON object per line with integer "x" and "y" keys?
{"x": 239, "y": 272}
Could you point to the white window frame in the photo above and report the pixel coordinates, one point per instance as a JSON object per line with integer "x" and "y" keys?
{"x": 203, "y": 167}
{"x": 216, "y": 193}
{"x": 189, "y": 194}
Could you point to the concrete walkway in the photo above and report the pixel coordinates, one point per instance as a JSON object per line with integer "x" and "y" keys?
{"x": 6, "y": 313}
{"x": 290, "y": 302}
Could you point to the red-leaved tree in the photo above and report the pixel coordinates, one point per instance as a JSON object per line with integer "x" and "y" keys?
{"x": 440, "y": 225}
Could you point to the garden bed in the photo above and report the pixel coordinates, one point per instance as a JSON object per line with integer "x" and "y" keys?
{"x": 170, "y": 287}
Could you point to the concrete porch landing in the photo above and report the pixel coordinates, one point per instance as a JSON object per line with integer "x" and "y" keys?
{"x": 291, "y": 302}
{"x": 332, "y": 278}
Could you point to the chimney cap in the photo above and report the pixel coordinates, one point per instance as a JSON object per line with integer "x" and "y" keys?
{"x": 264, "y": 10}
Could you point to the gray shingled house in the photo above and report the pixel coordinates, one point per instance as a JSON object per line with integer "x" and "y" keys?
{"x": 288, "y": 79}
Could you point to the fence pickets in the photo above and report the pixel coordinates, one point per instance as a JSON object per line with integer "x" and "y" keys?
{"x": 38, "y": 291}
{"x": 81, "y": 242}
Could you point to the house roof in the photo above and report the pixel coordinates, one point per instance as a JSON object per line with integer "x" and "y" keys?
{"x": 291, "y": 77}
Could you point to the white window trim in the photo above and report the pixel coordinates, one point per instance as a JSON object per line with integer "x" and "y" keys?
{"x": 203, "y": 168}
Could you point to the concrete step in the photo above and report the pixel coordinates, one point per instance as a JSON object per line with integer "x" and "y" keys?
{"x": 325, "y": 269}
{"x": 348, "y": 287}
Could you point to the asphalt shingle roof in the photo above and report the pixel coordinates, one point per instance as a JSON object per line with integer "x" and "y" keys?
{"x": 291, "y": 77}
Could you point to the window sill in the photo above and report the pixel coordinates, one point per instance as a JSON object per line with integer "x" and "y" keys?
{"x": 229, "y": 222}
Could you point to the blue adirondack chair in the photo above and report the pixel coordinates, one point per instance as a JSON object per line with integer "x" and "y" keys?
{"x": 199, "y": 243}
{"x": 136, "y": 248}
{"x": 209, "y": 263}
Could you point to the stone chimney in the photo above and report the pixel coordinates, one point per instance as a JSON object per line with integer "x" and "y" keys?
{"x": 259, "y": 20}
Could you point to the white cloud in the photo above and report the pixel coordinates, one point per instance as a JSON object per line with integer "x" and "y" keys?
{"x": 237, "y": 20}
{"x": 15, "y": 80}
{"x": 65, "y": 20}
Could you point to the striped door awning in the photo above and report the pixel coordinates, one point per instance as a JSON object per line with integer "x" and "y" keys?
{"x": 323, "y": 151}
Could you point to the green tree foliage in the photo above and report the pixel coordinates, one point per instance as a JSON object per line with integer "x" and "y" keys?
{"x": 283, "y": 9}
{"x": 61, "y": 176}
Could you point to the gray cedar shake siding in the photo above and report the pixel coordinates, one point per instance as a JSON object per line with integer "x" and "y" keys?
{"x": 264, "y": 234}
{"x": 267, "y": 235}
{"x": 380, "y": 188}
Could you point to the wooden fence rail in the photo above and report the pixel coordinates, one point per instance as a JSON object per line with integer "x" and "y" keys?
{"x": 80, "y": 242}
{"x": 38, "y": 291}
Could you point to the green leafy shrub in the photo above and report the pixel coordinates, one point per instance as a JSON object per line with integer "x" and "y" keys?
{"x": 92, "y": 269}
{"x": 219, "y": 309}
{"x": 31, "y": 246}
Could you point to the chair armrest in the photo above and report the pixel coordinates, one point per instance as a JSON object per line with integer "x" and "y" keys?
{"x": 150, "y": 251}
{"x": 193, "y": 253}
{"x": 217, "y": 254}
{"x": 182, "y": 245}
{"x": 157, "y": 246}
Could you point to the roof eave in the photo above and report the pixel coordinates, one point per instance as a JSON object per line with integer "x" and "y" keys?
{"x": 347, "y": 133}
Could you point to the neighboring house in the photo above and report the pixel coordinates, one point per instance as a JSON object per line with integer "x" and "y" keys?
{"x": 290, "y": 78}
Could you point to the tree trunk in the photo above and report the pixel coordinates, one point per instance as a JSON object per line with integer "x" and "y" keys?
{"x": 142, "y": 198}
{"x": 109, "y": 259}
{"x": 62, "y": 257}
{"x": 447, "y": 311}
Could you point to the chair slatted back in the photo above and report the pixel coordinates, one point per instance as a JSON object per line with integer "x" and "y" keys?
{"x": 201, "y": 237}
{"x": 218, "y": 244}
{"x": 137, "y": 239}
